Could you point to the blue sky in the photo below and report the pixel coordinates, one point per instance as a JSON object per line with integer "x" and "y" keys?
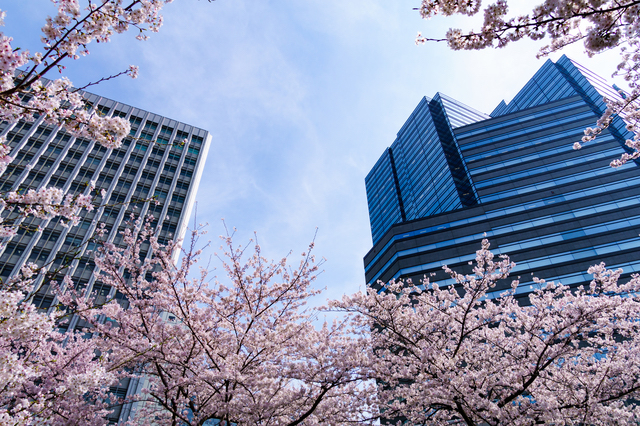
{"x": 301, "y": 97}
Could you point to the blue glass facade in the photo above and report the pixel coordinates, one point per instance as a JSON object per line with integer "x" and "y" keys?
{"x": 514, "y": 177}
{"x": 423, "y": 172}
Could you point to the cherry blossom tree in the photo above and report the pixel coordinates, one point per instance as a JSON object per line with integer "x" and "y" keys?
{"x": 47, "y": 377}
{"x": 66, "y": 36}
{"x": 25, "y": 94}
{"x": 570, "y": 357}
{"x": 244, "y": 350}
{"x": 599, "y": 24}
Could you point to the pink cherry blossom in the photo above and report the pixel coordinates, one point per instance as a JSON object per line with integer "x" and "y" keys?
{"x": 66, "y": 36}
{"x": 452, "y": 355}
{"x": 48, "y": 377}
{"x": 243, "y": 348}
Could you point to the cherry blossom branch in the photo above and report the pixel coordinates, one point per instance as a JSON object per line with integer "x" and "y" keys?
{"x": 603, "y": 26}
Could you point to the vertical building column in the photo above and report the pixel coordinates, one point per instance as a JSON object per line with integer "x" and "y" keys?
{"x": 397, "y": 184}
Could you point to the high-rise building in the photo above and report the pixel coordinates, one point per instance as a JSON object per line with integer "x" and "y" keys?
{"x": 162, "y": 159}
{"x": 455, "y": 175}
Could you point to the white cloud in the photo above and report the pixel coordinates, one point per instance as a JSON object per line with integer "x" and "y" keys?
{"x": 301, "y": 99}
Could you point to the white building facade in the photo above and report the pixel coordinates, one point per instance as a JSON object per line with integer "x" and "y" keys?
{"x": 161, "y": 159}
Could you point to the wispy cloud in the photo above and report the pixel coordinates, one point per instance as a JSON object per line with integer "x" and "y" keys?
{"x": 301, "y": 98}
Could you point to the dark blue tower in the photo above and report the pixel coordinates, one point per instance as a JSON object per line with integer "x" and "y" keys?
{"x": 454, "y": 175}
{"x": 423, "y": 172}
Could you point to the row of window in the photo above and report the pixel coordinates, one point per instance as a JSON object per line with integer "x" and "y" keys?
{"x": 530, "y": 130}
{"x": 540, "y": 153}
{"x": 529, "y": 224}
{"x": 554, "y": 182}
{"x": 556, "y": 259}
{"x": 539, "y": 169}
{"x": 596, "y": 190}
{"x": 500, "y": 124}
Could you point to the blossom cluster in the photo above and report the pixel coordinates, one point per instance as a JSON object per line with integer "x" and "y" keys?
{"x": 43, "y": 203}
{"x": 23, "y": 94}
{"x": 5, "y": 159}
{"x": 241, "y": 348}
{"x": 69, "y": 33}
{"x": 446, "y": 354}
{"x": 48, "y": 377}
{"x": 46, "y": 203}
{"x": 601, "y": 25}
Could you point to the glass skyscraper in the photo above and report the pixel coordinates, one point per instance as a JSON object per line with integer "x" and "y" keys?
{"x": 454, "y": 175}
{"x": 161, "y": 159}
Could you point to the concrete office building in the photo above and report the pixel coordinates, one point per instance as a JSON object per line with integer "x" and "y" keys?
{"x": 152, "y": 162}
{"x": 454, "y": 175}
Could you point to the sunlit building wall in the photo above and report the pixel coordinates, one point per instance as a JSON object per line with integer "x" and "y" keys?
{"x": 162, "y": 160}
